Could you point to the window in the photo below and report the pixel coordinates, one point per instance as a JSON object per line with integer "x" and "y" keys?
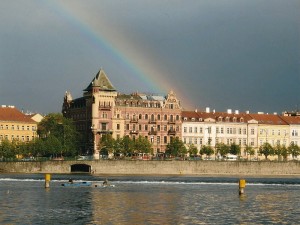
{"x": 222, "y": 130}
{"x": 140, "y": 116}
{"x": 158, "y": 139}
{"x": 165, "y": 139}
{"x": 103, "y": 126}
{"x": 127, "y": 126}
{"x": 140, "y": 127}
{"x": 12, "y": 127}
{"x": 252, "y": 131}
{"x": 165, "y": 117}
{"x": 158, "y": 116}
{"x": 184, "y": 140}
{"x": 146, "y": 127}
{"x": 165, "y": 127}
{"x": 177, "y": 117}
{"x": 190, "y": 129}
{"x": 195, "y": 141}
{"x": 146, "y": 116}
{"x": 200, "y": 130}
{"x": 158, "y": 127}
{"x": 118, "y": 126}
{"x": 195, "y": 129}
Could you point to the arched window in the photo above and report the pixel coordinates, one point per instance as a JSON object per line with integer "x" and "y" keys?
{"x": 146, "y": 116}
{"x": 158, "y": 116}
{"x": 165, "y": 117}
{"x": 140, "y": 116}
{"x": 152, "y": 117}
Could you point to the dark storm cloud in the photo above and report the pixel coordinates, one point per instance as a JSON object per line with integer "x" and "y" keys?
{"x": 223, "y": 54}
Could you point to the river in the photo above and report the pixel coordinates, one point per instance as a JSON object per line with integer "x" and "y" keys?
{"x": 148, "y": 200}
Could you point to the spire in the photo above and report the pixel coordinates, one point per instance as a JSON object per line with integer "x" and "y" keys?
{"x": 101, "y": 81}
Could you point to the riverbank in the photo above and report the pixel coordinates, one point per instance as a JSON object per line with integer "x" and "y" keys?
{"x": 123, "y": 167}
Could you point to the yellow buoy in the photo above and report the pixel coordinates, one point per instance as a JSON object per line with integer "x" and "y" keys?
{"x": 47, "y": 180}
{"x": 242, "y": 185}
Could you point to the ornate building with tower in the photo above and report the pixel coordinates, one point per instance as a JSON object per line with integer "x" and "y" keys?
{"x": 102, "y": 110}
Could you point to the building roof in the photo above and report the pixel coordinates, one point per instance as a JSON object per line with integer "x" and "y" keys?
{"x": 268, "y": 119}
{"x": 225, "y": 117}
{"x": 12, "y": 114}
{"x": 291, "y": 120}
{"x": 101, "y": 81}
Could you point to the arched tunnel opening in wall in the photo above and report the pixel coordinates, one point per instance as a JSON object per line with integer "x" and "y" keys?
{"x": 80, "y": 168}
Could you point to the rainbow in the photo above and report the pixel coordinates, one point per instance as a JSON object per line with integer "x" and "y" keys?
{"x": 155, "y": 82}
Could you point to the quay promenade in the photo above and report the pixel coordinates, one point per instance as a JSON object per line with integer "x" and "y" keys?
{"x": 124, "y": 167}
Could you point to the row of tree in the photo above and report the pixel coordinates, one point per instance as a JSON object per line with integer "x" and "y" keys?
{"x": 280, "y": 150}
{"x": 57, "y": 138}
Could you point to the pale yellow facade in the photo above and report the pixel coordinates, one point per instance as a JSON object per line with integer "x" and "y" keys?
{"x": 17, "y": 131}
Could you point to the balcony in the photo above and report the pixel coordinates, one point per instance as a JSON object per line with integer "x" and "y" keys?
{"x": 171, "y": 121}
{"x": 171, "y": 132}
{"x": 100, "y": 131}
{"x": 152, "y": 121}
{"x": 105, "y": 107}
{"x": 134, "y": 132}
{"x": 133, "y": 120}
{"x": 152, "y": 132}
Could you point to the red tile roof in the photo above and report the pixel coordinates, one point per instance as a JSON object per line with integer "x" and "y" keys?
{"x": 291, "y": 119}
{"x": 13, "y": 114}
{"x": 268, "y": 119}
{"x": 215, "y": 115}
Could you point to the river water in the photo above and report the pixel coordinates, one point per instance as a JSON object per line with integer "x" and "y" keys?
{"x": 148, "y": 200}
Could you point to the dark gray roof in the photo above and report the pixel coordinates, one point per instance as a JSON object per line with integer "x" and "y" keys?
{"x": 101, "y": 80}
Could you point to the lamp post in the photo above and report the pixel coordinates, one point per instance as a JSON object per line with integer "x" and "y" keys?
{"x": 95, "y": 151}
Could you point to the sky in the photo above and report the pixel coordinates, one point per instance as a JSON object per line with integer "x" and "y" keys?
{"x": 223, "y": 54}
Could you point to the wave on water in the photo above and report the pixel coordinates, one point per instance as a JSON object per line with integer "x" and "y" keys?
{"x": 232, "y": 182}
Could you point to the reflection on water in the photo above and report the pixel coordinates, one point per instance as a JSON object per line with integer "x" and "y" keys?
{"x": 133, "y": 202}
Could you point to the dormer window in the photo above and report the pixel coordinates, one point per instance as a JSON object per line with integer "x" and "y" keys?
{"x": 234, "y": 119}
{"x": 200, "y": 119}
{"x": 242, "y": 120}
{"x": 185, "y": 118}
{"x": 193, "y": 119}
{"x": 227, "y": 119}
{"x": 220, "y": 119}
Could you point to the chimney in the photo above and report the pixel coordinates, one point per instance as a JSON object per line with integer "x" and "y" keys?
{"x": 207, "y": 110}
{"x": 229, "y": 111}
{"x": 236, "y": 112}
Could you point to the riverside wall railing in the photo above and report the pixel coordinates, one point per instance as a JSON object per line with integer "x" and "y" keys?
{"x": 123, "y": 167}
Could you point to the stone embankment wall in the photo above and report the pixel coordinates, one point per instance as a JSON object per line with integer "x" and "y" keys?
{"x": 119, "y": 167}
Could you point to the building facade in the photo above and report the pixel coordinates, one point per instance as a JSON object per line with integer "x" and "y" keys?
{"x": 102, "y": 110}
{"x": 244, "y": 129}
{"x": 16, "y": 126}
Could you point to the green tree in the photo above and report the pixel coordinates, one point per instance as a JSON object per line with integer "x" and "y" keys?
{"x": 192, "y": 150}
{"x": 250, "y": 151}
{"x": 235, "y": 149}
{"x": 142, "y": 145}
{"x": 294, "y": 150}
{"x": 207, "y": 150}
{"x": 280, "y": 150}
{"x": 176, "y": 147}
{"x": 7, "y": 150}
{"x": 63, "y": 129}
{"x": 107, "y": 144}
{"x": 128, "y": 145}
{"x": 266, "y": 149}
{"x": 222, "y": 149}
